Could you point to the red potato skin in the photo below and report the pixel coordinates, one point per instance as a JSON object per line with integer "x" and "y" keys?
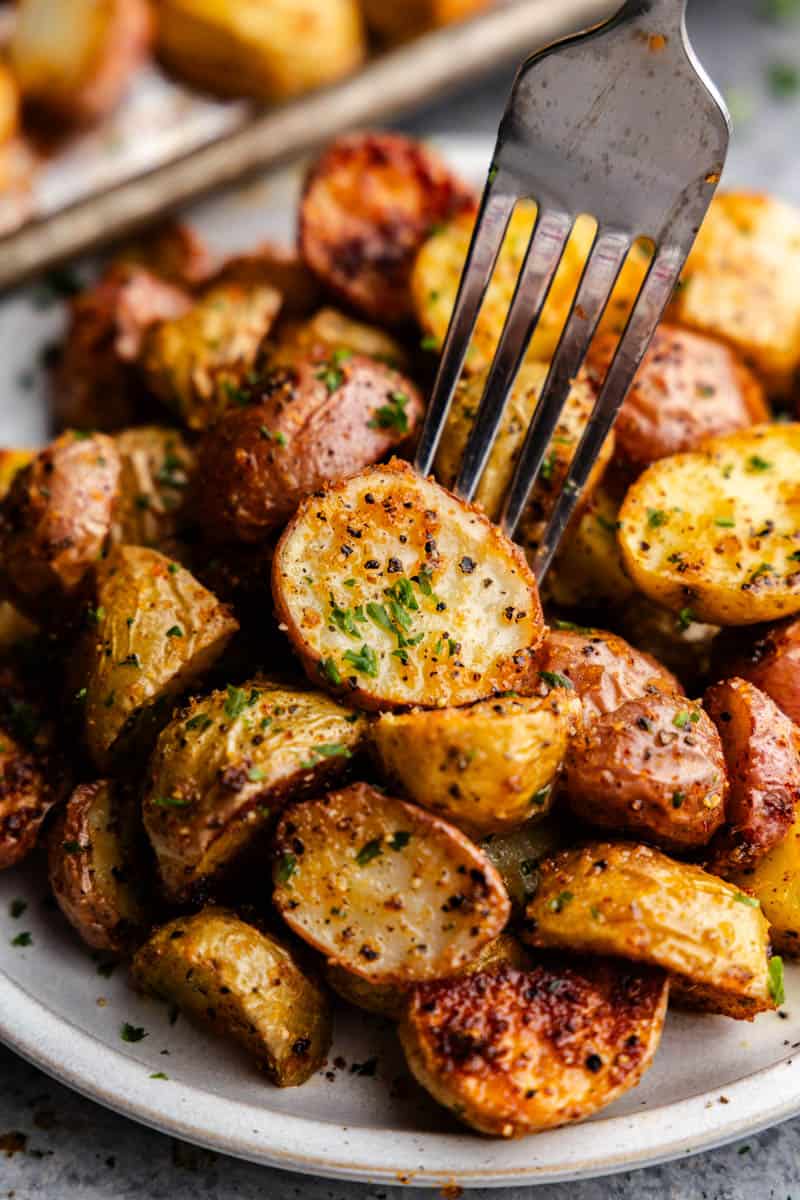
{"x": 174, "y": 252}
{"x": 368, "y": 204}
{"x": 761, "y": 747}
{"x": 271, "y": 265}
{"x": 258, "y": 463}
{"x": 772, "y": 663}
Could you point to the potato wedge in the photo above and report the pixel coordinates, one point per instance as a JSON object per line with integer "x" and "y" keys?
{"x": 762, "y": 751}
{"x": 242, "y": 984}
{"x": 75, "y": 58}
{"x": 653, "y": 768}
{"x": 311, "y": 424}
{"x": 401, "y": 22}
{"x": 587, "y": 570}
{"x": 98, "y": 866}
{"x": 773, "y": 882}
{"x": 486, "y": 768}
{"x": 632, "y": 901}
{"x": 9, "y": 104}
{"x": 516, "y": 853}
{"x": 330, "y": 333}
{"x": 383, "y": 888}
{"x": 443, "y": 610}
{"x": 772, "y": 663}
{"x": 26, "y": 796}
{"x": 199, "y": 363}
{"x": 717, "y": 532}
{"x": 55, "y": 521}
{"x": 154, "y": 629}
{"x": 368, "y": 203}
{"x": 515, "y": 1052}
{"x": 226, "y": 764}
{"x": 739, "y": 283}
{"x": 267, "y": 51}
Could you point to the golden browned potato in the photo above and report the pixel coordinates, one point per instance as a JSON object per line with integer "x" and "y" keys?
{"x": 761, "y": 749}
{"x": 600, "y": 667}
{"x": 653, "y": 768}
{"x": 244, "y": 985}
{"x": 201, "y": 363}
{"x": 172, "y": 251}
{"x": 715, "y": 532}
{"x": 383, "y": 888}
{"x": 154, "y": 629}
{"x": 9, "y": 104}
{"x": 486, "y": 768}
{"x": 55, "y": 521}
{"x": 772, "y": 663}
{"x": 157, "y": 465}
{"x": 395, "y": 593}
{"x": 740, "y": 283}
{"x": 94, "y": 385}
{"x": 75, "y": 58}
{"x": 98, "y": 868}
{"x": 633, "y": 902}
{"x": 270, "y": 51}
{"x": 314, "y": 423}
{"x": 329, "y": 333}
{"x": 271, "y": 265}
{"x": 227, "y": 763}
{"x": 774, "y": 884}
{"x": 26, "y": 795}
{"x": 400, "y": 22}
{"x": 689, "y": 388}
{"x": 369, "y": 202}
{"x": 11, "y": 463}
{"x": 587, "y": 570}
{"x": 515, "y": 1052}
{"x": 516, "y": 853}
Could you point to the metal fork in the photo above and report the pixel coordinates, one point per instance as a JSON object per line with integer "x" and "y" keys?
{"x": 621, "y": 123}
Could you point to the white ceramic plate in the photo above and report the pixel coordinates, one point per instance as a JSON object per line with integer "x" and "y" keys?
{"x": 714, "y": 1080}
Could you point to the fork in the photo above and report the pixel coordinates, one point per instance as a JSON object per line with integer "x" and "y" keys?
{"x": 623, "y": 124}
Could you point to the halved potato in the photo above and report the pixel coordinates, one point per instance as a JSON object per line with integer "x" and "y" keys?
{"x": 383, "y": 888}
{"x": 331, "y": 333}
{"x": 154, "y": 630}
{"x": 226, "y": 764}
{"x": 632, "y": 901}
{"x": 774, "y": 884}
{"x": 243, "y": 984}
{"x": 97, "y": 866}
{"x": 396, "y": 593}
{"x": 26, "y": 794}
{"x": 515, "y": 1052}
{"x": 486, "y": 768}
{"x": 717, "y": 532}
{"x": 587, "y": 570}
{"x": 772, "y": 663}
{"x": 156, "y": 467}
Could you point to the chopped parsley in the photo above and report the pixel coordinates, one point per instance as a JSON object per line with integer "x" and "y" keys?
{"x": 750, "y": 901}
{"x": 369, "y": 851}
{"x": 170, "y": 802}
{"x": 159, "y": 1075}
{"x": 392, "y": 415}
{"x": 256, "y": 774}
{"x": 725, "y": 522}
{"x": 174, "y": 631}
{"x": 429, "y": 342}
{"x": 681, "y": 719}
{"x": 201, "y": 722}
{"x": 399, "y": 840}
{"x": 560, "y": 901}
{"x": 238, "y": 700}
{"x": 22, "y": 939}
{"x": 756, "y": 463}
{"x": 656, "y": 517}
{"x": 775, "y": 980}
{"x": 17, "y": 907}
{"x": 554, "y": 679}
{"x": 685, "y": 618}
{"x": 365, "y": 660}
{"x": 286, "y": 868}
{"x": 329, "y": 669}
{"x": 131, "y": 1033}
{"x": 331, "y": 375}
{"x": 783, "y": 79}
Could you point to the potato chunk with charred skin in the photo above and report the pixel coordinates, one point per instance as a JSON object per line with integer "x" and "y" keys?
{"x": 442, "y": 608}
{"x": 485, "y": 768}
{"x": 633, "y": 902}
{"x": 316, "y": 422}
{"x": 26, "y": 797}
{"x": 369, "y": 202}
{"x": 330, "y": 334}
{"x": 653, "y": 768}
{"x": 242, "y": 984}
{"x": 156, "y": 468}
{"x": 772, "y": 663}
{"x": 227, "y": 763}
{"x": 384, "y": 888}
{"x": 515, "y": 1052}
{"x": 761, "y": 750}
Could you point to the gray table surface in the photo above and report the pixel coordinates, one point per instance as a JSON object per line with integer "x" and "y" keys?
{"x": 76, "y": 1149}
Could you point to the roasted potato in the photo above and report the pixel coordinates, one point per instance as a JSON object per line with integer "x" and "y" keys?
{"x": 98, "y": 868}
{"x": 153, "y": 630}
{"x": 773, "y": 883}
{"x": 273, "y": 266}
{"x": 632, "y": 901}
{"x": 674, "y": 640}
{"x": 654, "y": 768}
{"x": 55, "y": 521}
{"x": 172, "y": 251}
{"x": 516, "y": 853}
{"x": 762, "y": 752}
{"x": 267, "y": 51}
{"x": 329, "y": 334}
{"x": 314, "y": 423}
{"x": 74, "y": 59}
{"x": 600, "y": 667}
{"x": 443, "y": 609}
{"x": 486, "y": 768}
{"x": 243, "y": 984}
{"x": 95, "y": 385}
{"x": 689, "y": 388}
{"x": 9, "y": 104}
{"x": 401, "y": 22}
{"x": 587, "y": 570}
{"x": 156, "y": 468}
{"x": 26, "y": 797}
{"x": 200, "y": 363}
{"x": 772, "y": 663}
{"x": 515, "y": 1052}
{"x": 368, "y": 204}
{"x": 714, "y": 533}
{"x": 739, "y": 283}
{"x": 383, "y": 888}
{"x": 227, "y": 763}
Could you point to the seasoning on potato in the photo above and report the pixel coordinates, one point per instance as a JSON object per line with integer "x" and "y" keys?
{"x": 157, "y": 464}
{"x": 329, "y": 333}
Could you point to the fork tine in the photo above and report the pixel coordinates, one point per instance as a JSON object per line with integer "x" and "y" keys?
{"x": 487, "y": 238}
{"x": 600, "y": 272}
{"x": 650, "y": 304}
{"x": 548, "y": 239}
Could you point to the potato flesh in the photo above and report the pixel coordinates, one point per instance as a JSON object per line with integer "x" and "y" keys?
{"x": 383, "y": 888}
{"x": 380, "y": 530}
{"x": 587, "y": 570}
{"x": 329, "y": 331}
{"x": 243, "y": 984}
{"x": 774, "y": 881}
{"x": 634, "y": 902}
{"x": 156, "y": 466}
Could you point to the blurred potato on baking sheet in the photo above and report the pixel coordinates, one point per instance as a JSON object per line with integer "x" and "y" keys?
{"x": 398, "y": 22}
